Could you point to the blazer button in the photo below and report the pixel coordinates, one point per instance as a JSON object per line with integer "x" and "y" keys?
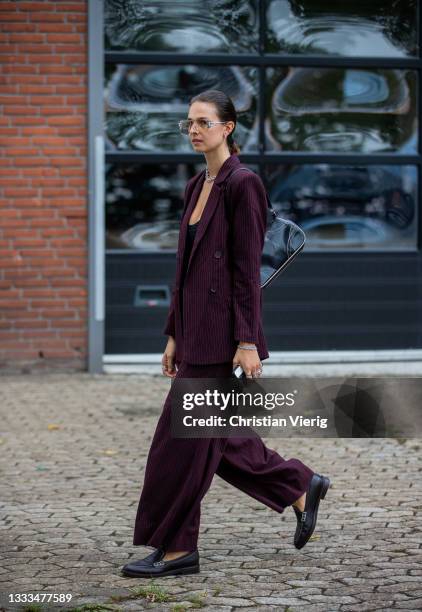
{"x": 217, "y": 254}
{"x": 213, "y": 290}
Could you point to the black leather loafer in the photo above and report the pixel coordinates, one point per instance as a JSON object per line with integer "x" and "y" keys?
{"x": 153, "y": 565}
{"x": 307, "y": 519}
{"x": 146, "y": 562}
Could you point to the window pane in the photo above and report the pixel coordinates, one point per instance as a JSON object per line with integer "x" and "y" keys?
{"x": 347, "y": 28}
{"x": 144, "y": 205}
{"x": 341, "y": 109}
{"x": 182, "y": 26}
{"x": 348, "y": 207}
{"x": 143, "y": 104}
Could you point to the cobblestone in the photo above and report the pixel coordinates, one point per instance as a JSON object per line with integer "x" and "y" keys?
{"x": 69, "y": 496}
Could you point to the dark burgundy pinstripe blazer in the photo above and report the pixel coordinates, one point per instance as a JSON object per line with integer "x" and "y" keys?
{"x": 222, "y": 296}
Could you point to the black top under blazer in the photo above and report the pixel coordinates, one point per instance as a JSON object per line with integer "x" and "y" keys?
{"x": 222, "y": 295}
{"x": 190, "y": 238}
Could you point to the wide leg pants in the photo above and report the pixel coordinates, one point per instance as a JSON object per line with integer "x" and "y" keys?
{"x": 179, "y": 472}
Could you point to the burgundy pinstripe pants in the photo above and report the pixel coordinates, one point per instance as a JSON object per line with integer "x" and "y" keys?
{"x": 179, "y": 472}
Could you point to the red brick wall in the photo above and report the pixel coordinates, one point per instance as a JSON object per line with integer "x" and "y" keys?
{"x": 43, "y": 190}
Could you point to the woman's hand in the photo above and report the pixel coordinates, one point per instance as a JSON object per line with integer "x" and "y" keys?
{"x": 249, "y": 361}
{"x": 168, "y": 359}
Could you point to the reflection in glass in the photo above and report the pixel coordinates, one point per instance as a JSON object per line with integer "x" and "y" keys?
{"x": 144, "y": 104}
{"x": 144, "y": 205}
{"x": 188, "y": 26}
{"x": 348, "y": 207}
{"x": 341, "y": 109}
{"x": 347, "y": 28}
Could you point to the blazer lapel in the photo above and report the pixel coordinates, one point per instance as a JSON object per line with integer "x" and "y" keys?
{"x": 207, "y": 213}
{"x": 210, "y": 207}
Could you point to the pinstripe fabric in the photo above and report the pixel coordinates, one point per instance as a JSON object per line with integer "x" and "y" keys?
{"x": 179, "y": 472}
{"x": 222, "y": 305}
{"x": 222, "y": 297}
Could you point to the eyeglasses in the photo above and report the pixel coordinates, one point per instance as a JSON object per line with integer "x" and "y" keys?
{"x": 185, "y": 125}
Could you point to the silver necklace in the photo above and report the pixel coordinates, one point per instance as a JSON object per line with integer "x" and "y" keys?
{"x": 209, "y": 178}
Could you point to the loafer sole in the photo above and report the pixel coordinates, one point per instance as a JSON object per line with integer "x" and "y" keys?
{"x": 193, "y": 569}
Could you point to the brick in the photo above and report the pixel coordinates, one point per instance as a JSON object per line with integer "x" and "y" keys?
{"x": 33, "y": 324}
{"x": 44, "y": 199}
{"x": 10, "y": 213}
{"x": 56, "y": 232}
{"x": 43, "y": 17}
{"x": 65, "y": 38}
{"x": 17, "y": 69}
{"x": 8, "y": 17}
{"x": 57, "y": 26}
{"x": 31, "y": 7}
{"x": 30, "y": 282}
{"x": 56, "y": 69}
{"x": 34, "y": 242}
{"x": 13, "y": 100}
{"x": 37, "y": 89}
{"x": 71, "y": 7}
{"x": 21, "y": 37}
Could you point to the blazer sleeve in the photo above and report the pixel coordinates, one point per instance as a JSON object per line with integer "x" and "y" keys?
{"x": 170, "y": 326}
{"x": 249, "y": 223}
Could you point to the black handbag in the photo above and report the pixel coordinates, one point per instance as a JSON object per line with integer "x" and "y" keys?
{"x": 284, "y": 240}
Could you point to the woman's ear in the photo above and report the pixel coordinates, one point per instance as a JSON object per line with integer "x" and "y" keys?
{"x": 231, "y": 125}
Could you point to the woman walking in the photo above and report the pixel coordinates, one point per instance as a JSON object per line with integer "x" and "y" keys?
{"x": 214, "y": 324}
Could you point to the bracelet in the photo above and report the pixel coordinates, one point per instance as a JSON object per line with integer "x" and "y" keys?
{"x": 248, "y": 348}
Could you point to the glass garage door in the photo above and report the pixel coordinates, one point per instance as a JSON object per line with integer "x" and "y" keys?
{"x": 327, "y": 96}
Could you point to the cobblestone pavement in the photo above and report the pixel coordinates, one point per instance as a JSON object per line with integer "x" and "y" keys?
{"x": 73, "y": 449}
